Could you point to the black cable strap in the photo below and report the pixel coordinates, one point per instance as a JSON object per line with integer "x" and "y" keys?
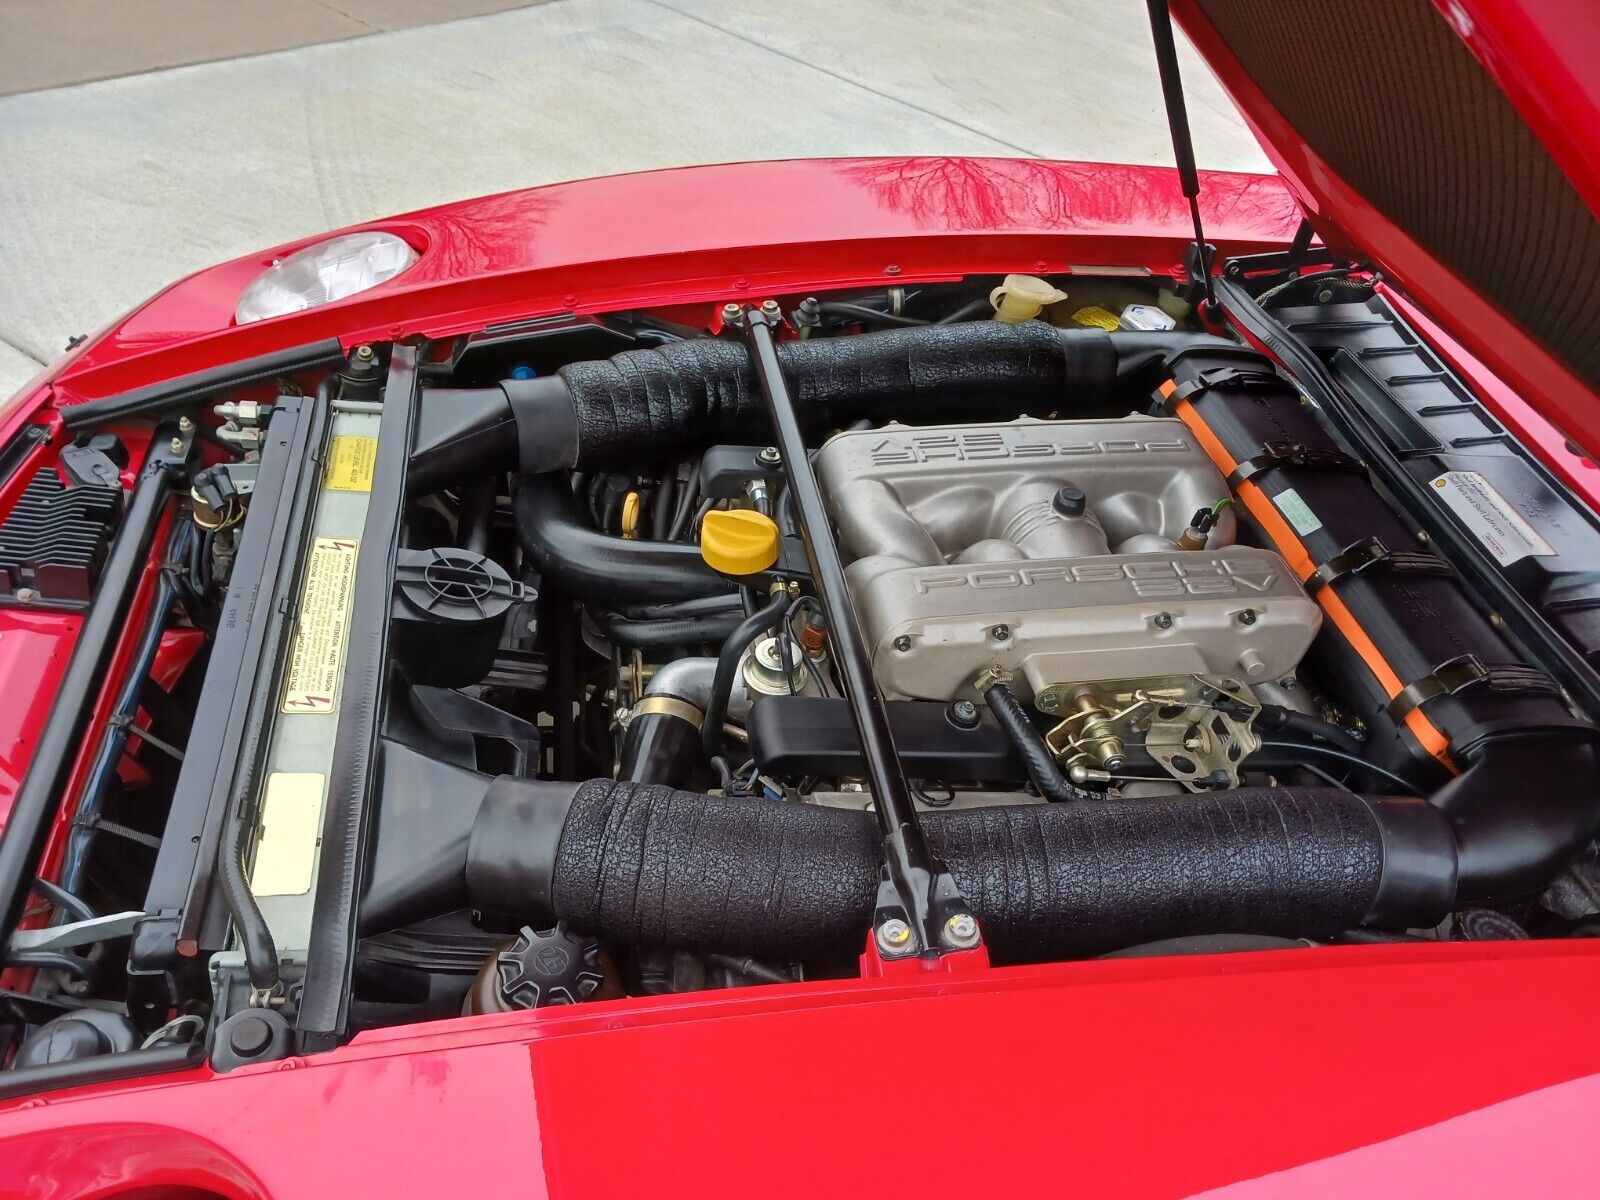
{"x": 1232, "y": 379}
{"x": 116, "y": 829}
{"x": 1467, "y": 671}
{"x": 1292, "y": 454}
{"x": 1370, "y": 552}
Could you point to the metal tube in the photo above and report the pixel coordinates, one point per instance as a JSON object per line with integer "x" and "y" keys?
{"x": 43, "y": 787}
{"x": 115, "y": 737}
{"x": 917, "y": 889}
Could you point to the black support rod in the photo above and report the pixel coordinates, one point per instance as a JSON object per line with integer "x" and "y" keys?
{"x": 43, "y": 789}
{"x": 917, "y": 891}
{"x": 1178, "y": 126}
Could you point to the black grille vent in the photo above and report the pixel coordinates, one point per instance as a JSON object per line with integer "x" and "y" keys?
{"x": 56, "y": 538}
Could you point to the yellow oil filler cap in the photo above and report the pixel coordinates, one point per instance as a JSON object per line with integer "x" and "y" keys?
{"x": 1020, "y": 297}
{"x": 738, "y": 541}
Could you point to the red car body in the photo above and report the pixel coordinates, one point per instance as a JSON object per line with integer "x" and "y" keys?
{"x": 1441, "y": 1070}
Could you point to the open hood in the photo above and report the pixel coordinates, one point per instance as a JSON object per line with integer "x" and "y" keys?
{"x": 1453, "y": 146}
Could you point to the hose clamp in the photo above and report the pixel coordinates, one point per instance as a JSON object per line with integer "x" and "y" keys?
{"x": 667, "y": 706}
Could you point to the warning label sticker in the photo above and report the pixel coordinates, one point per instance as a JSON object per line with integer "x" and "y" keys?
{"x": 317, "y": 659}
{"x": 1104, "y": 318}
{"x": 351, "y": 462}
{"x": 1504, "y": 532}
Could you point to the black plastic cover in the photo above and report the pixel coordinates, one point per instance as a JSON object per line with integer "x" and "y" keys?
{"x": 1437, "y": 427}
{"x": 795, "y": 736}
{"x": 448, "y": 614}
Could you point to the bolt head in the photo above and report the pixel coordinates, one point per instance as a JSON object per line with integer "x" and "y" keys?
{"x": 1163, "y": 620}
{"x": 364, "y": 353}
{"x": 1001, "y": 633}
{"x": 770, "y": 308}
{"x": 25, "y": 595}
{"x": 1423, "y": 536}
{"x": 964, "y": 714}
{"x": 1048, "y": 702}
{"x": 769, "y": 456}
{"x": 902, "y": 643}
{"x": 732, "y": 314}
{"x": 185, "y": 424}
{"x": 892, "y": 269}
{"x": 961, "y": 931}
{"x": 1247, "y": 617}
{"x": 177, "y": 445}
{"x": 894, "y": 936}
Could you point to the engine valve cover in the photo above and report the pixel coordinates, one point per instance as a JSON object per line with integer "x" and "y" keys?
{"x": 970, "y": 556}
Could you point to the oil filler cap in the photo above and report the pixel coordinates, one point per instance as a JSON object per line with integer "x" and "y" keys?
{"x": 738, "y": 541}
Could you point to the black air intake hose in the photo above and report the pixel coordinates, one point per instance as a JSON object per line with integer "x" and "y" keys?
{"x": 657, "y": 404}
{"x": 1522, "y": 811}
{"x": 649, "y": 865}
{"x": 565, "y": 547}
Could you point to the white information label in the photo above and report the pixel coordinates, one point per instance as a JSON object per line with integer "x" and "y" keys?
{"x": 1504, "y": 532}
{"x": 1298, "y": 512}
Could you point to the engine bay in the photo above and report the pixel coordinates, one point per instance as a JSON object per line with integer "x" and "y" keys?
{"x": 751, "y": 643}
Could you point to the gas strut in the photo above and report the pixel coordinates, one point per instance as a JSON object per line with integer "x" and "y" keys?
{"x": 919, "y": 909}
{"x": 1178, "y": 126}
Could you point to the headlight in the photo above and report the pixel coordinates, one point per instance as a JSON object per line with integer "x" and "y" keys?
{"x": 330, "y": 270}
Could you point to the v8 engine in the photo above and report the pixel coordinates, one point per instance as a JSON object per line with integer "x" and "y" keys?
{"x": 1092, "y": 562}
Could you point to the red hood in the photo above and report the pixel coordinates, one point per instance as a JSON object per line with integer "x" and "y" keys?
{"x": 1454, "y": 144}
{"x": 1466, "y": 1069}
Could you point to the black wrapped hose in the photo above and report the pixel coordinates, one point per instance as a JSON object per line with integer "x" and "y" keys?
{"x": 659, "y": 404}
{"x": 657, "y": 866}
{"x": 650, "y": 865}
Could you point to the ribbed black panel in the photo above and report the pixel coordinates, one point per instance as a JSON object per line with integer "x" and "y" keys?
{"x": 1389, "y": 96}
{"x": 55, "y": 539}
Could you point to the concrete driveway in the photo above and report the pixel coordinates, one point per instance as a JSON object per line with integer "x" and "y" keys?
{"x": 110, "y": 189}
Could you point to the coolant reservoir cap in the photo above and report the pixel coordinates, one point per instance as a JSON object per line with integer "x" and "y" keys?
{"x": 1021, "y": 297}
{"x": 738, "y": 541}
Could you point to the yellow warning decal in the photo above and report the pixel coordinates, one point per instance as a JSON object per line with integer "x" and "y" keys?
{"x": 316, "y": 662}
{"x": 291, "y": 824}
{"x": 351, "y": 463}
{"x": 1095, "y": 315}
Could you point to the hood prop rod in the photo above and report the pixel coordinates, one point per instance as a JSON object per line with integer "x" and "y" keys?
{"x": 919, "y": 909}
{"x": 1178, "y": 126}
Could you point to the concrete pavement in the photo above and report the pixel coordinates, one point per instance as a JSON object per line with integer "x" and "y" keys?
{"x": 111, "y": 189}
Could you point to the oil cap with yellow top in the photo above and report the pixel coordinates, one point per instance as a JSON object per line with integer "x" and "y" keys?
{"x": 738, "y": 541}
